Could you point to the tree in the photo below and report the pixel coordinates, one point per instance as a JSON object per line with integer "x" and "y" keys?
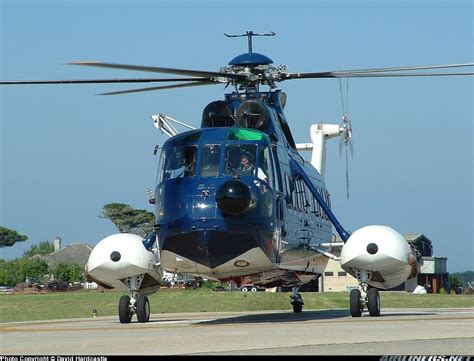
{"x": 18, "y": 270}
{"x": 68, "y": 272}
{"x": 8, "y": 237}
{"x": 129, "y": 220}
{"x": 465, "y": 277}
{"x": 454, "y": 282}
{"x": 44, "y": 247}
{"x": 35, "y": 269}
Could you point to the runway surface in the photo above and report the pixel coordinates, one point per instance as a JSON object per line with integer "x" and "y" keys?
{"x": 318, "y": 332}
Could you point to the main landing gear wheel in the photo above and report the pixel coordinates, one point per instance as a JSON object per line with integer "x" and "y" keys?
{"x": 136, "y": 303}
{"x": 356, "y": 303}
{"x": 364, "y": 296}
{"x": 297, "y": 307}
{"x": 373, "y": 302}
{"x": 143, "y": 309}
{"x": 125, "y": 315}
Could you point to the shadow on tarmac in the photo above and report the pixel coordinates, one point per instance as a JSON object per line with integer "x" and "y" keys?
{"x": 307, "y": 316}
{"x": 281, "y": 317}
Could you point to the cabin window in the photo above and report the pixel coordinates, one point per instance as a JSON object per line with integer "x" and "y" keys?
{"x": 308, "y": 199}
{"x": 328, "y": 274}
{"x": 302, "y": 195}
{"x": 299, "y": 195}
{"x": 211, "y": 154}
{"x": 180, "y": 161}
{"x": 327, "y": 200}
{"x": 289, "y": 194}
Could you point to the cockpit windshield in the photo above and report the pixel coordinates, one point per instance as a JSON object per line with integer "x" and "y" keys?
{"x": 211, "y": 154}
{"x": 244, "y": 152}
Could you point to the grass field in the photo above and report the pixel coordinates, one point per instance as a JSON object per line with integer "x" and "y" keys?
{"x": 78, "y": 304}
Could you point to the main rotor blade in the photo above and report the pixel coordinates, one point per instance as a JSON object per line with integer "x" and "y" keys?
{"x": 99, "y": 81}
{"x": 380, "y": 72}
{"x": 183, "y": 85}
{"x": 337, "y": 74}
{"x": 405, "y": 68}
{"x": 199, "y": 73}
{"x": 383, "y": 75}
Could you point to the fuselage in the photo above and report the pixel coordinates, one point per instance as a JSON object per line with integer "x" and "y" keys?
{"x": 219, "y": 220}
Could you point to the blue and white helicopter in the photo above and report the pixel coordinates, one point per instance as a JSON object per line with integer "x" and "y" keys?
{"x": 235, "y": 201}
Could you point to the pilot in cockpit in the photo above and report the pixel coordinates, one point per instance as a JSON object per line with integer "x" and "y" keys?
{"x": 247, "y": 167}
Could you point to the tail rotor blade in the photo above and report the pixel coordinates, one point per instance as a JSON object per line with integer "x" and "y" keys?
{"x": 347, "y": 174}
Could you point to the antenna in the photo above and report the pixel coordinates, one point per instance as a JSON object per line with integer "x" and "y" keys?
{"x": 249, "y": 35}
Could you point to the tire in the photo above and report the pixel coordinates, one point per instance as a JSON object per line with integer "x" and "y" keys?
{"x": 143, "y": 309}
{"x": 125, "y": 316}
{"x": 297, "y": 307}
{"x": 373, "y": 301}
{"x": 244, "y": 289}
{"x": 356, "y": 306}
{"x": 253, "y": 289}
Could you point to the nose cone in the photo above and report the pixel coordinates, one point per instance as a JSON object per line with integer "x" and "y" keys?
{"x": 234, "y": 198}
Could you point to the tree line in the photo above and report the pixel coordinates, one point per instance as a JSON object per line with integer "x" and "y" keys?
{"x": 35, "y": 269}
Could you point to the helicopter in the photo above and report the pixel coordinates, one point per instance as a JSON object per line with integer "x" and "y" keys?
{"x": 235, "y": 201}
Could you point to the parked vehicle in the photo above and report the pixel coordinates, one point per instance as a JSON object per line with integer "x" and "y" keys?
{"x": 57, "y": 286}
{"x": 246, "y": 287}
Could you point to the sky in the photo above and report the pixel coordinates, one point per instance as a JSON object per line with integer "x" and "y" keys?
{"x": 66, "y": 152}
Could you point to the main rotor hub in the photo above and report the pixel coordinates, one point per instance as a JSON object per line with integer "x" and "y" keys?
{"x": 250, "y": 59}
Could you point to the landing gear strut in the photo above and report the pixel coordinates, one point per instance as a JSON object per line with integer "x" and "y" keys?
{"x": 364, "y": 296}
{"x": 136, "y": 303}
{"x": 296, "y": 301}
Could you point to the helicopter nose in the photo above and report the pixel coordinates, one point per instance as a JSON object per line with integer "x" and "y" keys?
{"x": 235, "y": 198}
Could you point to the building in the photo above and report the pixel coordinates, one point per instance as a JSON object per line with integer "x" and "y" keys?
{"x": 74, "y": 253}
{"x": 434, "y": 271}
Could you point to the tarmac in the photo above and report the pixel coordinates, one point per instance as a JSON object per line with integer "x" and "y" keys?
{"x": 312, "y": 332}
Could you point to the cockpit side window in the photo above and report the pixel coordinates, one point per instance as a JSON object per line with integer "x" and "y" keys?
{"x": 179, "y": 162}
{"x": 159, "y": 176}
{"x": 264, "y": 171}
{"x": 211, "y": 154}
